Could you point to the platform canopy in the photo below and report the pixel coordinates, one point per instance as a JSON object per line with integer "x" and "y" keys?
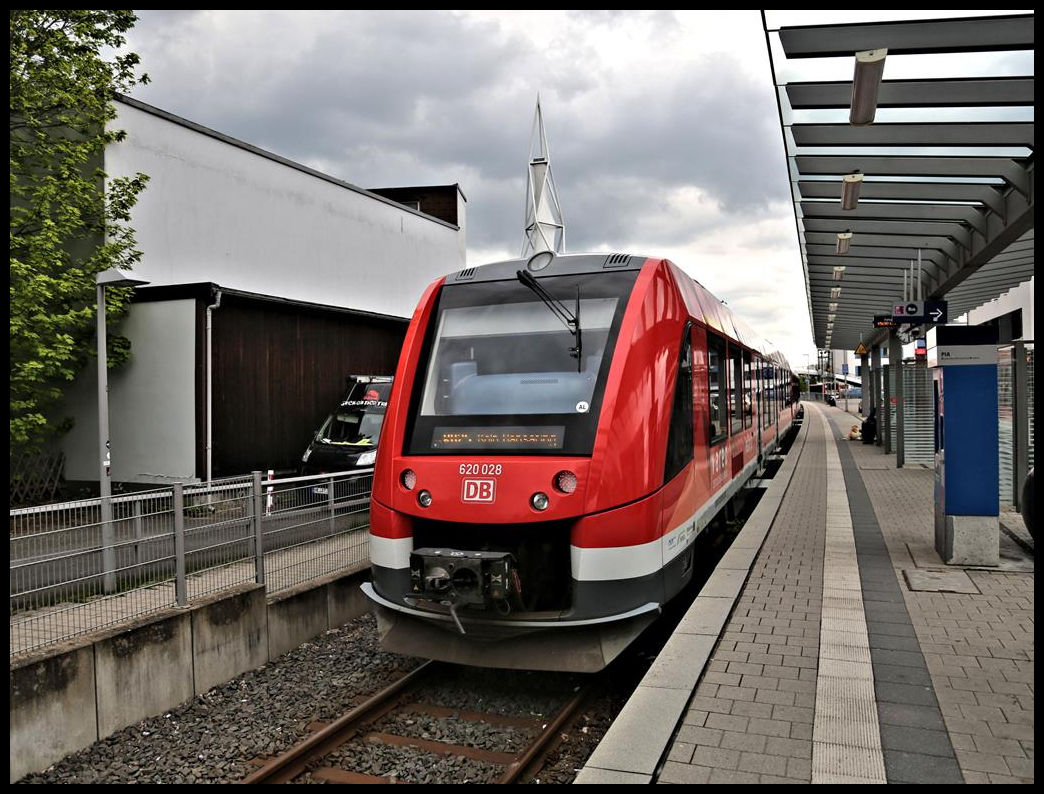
{"x": 939, "y": 146}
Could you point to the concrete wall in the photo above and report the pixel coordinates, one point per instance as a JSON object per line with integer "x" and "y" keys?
{"x": 65, "y": 699}
{"x": 218, "y": 210}
{"x": 152, "y": 406}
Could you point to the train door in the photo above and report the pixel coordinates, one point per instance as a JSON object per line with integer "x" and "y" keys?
{"x": 735, "y": 384}
{"x": 748, "y": 450}
{"x": 717, "y": 409}
{"x": 759, "y": 402}
{"x": 680, "y": 432}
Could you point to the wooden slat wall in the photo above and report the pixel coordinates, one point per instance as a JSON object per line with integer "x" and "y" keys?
{"x": 278, "y": 370}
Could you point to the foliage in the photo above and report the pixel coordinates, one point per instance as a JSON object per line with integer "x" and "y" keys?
{"x": 67, "y": 222}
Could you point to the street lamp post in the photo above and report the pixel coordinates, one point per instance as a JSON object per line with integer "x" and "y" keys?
{"x": 112, "y": 277}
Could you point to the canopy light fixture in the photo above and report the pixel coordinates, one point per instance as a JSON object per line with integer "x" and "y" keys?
{"x": 833, "y": 307}
{"x": 831, "y": 317}
{"x": 850, "y": 184}
{"x": 869, "y": 67}
{"x": 844, "y": 242}
{"x": 839, "y": 270}
{"x": 835, "y": 292}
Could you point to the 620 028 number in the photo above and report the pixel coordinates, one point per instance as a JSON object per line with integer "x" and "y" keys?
{"x": 481, "y": 468}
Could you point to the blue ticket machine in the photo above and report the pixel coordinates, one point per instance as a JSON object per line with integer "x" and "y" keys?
{"x": 963, "y": 359}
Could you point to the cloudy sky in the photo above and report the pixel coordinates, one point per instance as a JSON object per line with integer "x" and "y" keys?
{"x": 662, "y": 126}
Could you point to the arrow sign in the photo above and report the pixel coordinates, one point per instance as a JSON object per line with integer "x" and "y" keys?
{"x": 935, "y": 311}
{"x": 918, "y": 312}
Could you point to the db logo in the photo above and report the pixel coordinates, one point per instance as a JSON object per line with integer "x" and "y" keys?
{"x": 479, "y": 490}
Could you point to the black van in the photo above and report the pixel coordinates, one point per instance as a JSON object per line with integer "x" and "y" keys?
{"x": 348, "y": 438}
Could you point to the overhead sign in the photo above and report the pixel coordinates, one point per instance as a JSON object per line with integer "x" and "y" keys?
{"x": 884, "y": 321}
{"x": 917, "y": 312}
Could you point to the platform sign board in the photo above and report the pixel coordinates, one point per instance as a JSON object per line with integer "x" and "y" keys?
{"x": 884, "y": 321}
{"x": 961, "y": 345}
{"x": 917, "y": 312}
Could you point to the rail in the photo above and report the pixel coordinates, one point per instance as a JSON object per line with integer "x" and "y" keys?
{"x": 72, "y": 573}
{"x": 320, "y": 757}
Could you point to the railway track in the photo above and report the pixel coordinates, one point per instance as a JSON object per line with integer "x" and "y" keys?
{"x": 407, "y": 734}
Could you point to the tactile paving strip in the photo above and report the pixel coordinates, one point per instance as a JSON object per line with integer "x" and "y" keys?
{"x": 846, "y": 736}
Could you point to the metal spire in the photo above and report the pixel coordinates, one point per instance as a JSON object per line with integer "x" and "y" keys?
{"x": 544, "y": 227}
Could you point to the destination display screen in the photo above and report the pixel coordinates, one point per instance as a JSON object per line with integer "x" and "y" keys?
{"x": 492, "y": 438}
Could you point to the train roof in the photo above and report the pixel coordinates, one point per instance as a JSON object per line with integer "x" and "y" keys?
{"x": 715, "y": 314}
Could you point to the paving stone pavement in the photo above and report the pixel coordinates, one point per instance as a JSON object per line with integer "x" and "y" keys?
{"x": 750, "y": 719}
{"x": 953, "y": 670}
{"x": 978, "y": 647}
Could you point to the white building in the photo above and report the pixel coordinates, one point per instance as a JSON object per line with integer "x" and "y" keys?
{"x": 307, "y": 278}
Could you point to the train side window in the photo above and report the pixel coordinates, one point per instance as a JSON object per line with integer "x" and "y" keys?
{"x": 716, "y": 387}
{"x": 735, "y": 389}
{"x": 679, "y": 437}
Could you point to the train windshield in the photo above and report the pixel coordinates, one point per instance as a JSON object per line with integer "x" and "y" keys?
{"x": 502, "y": 374}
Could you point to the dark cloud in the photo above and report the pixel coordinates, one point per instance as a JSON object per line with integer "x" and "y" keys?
{"x": 406, "y": 97}
{"x": 680, "y": 153}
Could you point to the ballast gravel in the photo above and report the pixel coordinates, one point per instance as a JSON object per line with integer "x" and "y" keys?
{"x": 213, "y": 737}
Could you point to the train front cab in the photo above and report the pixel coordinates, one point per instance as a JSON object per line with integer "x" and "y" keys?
{"x": 469, "y": 564}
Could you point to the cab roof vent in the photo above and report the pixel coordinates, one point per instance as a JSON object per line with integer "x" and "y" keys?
{"x": 465, "y": 274}
{"x": 617, "y": 260}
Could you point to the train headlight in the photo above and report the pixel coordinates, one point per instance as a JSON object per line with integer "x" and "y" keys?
{"x": 424, "y": 498}
{"x": 539, "y": 501}
{"x": 367, "y": 458}
{"x": 565, "y": 481}
{"x": 408, "y": 479}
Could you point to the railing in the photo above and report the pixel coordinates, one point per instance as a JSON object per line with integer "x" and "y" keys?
{"x": 72, "y": 575}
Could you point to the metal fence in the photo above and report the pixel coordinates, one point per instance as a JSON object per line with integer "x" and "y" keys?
{"x": 1015, "y": 409}
{"x": 72, "y": 573}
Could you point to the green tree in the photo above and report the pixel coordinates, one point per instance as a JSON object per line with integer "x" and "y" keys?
{"x": 68, "y": 221}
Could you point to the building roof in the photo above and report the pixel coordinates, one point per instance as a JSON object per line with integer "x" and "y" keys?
{"x": 208, "y": 291}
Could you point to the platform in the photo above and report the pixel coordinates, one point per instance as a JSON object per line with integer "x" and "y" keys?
{"x": 833, "y": 645}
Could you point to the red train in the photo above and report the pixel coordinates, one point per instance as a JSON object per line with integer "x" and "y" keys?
{"x": 559, "y": 432}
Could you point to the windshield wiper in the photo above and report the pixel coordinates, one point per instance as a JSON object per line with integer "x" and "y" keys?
{"x": 559, "y": 309}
